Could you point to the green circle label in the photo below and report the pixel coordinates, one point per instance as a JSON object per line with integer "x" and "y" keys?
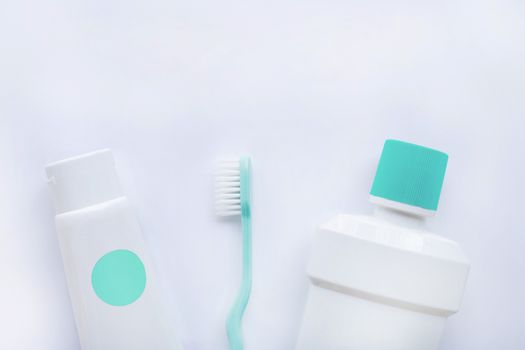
{"x": 119, "y": 278}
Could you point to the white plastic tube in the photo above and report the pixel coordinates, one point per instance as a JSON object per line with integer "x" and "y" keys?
{"x": 112, "y": 283}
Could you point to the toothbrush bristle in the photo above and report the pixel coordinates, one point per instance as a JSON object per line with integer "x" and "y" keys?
{"x": 228, "y": 188}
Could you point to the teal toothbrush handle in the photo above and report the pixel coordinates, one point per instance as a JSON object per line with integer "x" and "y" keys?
{"x": 234, "y": 321}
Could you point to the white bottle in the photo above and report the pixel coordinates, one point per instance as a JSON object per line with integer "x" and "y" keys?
{"x": 112, "y": 284}
{"x": 382, "y": 282}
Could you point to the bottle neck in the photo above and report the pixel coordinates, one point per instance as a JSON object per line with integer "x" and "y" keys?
{"x": 399, "y": 217}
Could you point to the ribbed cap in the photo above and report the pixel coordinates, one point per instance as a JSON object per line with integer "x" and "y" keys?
{"x": 410, "y": 174}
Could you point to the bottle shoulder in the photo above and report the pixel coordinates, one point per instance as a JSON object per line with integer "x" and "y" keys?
{"x": 380, "y": 231}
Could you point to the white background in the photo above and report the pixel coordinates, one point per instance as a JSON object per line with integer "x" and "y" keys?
{"x": 311, "y": 89}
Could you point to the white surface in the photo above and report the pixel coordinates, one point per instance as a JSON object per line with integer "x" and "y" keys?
{"x": 311, "y": 89}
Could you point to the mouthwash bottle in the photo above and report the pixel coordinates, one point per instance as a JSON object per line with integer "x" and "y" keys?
{"x": 382, "y": 281}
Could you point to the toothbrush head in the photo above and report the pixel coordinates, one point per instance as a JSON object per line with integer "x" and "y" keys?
{"x": 233, "y": 187}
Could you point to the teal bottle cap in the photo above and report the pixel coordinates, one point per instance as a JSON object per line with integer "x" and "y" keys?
{"x": 409, "y": 174}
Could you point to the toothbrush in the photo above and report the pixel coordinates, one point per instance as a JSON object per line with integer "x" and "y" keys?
{"x": 233, "y": 198}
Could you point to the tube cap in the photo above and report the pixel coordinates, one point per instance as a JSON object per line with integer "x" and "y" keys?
{"x": 83, "y": 181}
{"x": 410, "y": 175}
